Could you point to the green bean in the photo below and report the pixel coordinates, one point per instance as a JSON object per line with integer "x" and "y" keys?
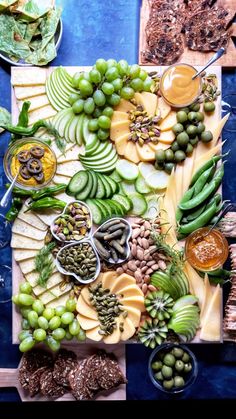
{"x": 206, "y": 166}
{"x": 205, "y": 193}
{"x": 201, "y": 221}
{"x": 220, "y": 273}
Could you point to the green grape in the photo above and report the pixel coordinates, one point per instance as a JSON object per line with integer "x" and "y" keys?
{"x": 39, "y": 335}
{"x": 25, "y": 299}
{"x": 74, "y": 327}
{"x": 23, "y": 335}
{"x": 48, "y": 313}
{"x": 147, "y": 84}
{"x": 71, "y": 304}
{"x": 54, "y": 322}
{"x": 95, "y": 76}
{"x": 68, "y": 335}
{"x": 93, "y": 125}
{"x": 111, "y": 74}
{"x": 67, "y": 317}
{"x": 137, "y": 84}
{"x": 27, "y": 344}
{"x": 59, "y": 310}
{"x": 101, "y": 65}
{"x": 117, "y": 83}
{"x": 111, "y": 63}
{"x": 89, "y": 106}
{"x": 78, "y": 106}
{"x": 81, "y": 335}
{"x": 123, "y": 67}
{"x": 33, "y": 319}
{"x": 73, "y": 98}
{"x": 26, "y": 288}
{"x": 108, "y": 111}
{"x": 25, "y": 311}
{"x": 25, "y": 324}
{"x": 38, "y": 307}
{"x": 76, "y": 79}
{"x": 53, "y": 344}
{"x": 104, "y": 122}
{"x": 43, "y": 323}
{"x": 103, "y": 134}
{"x": 127, "y": 93}
{"x": 113, "y": 100}
{"x": 107, "y": 88}
{"x": 134, "y": 71}
{"x": 97, "y": 113}
{"x": 59, "y": 334}
{"x": 99, "y": 98}
{"x": 86, "y": 76}
{"x": 143, "y": 74}
{"x": 15, "y": 299}
{"x": 85, "y": 87}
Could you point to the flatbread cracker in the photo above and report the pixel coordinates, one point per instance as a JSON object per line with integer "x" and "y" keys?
{"x": 56, "y": 279}
{"x": 21, "y": 242}
{"x": 27, "y": 266}
{"x": 23, "y": 93}
{"x": 46, "y": 112}
{"x": 70, "y": 155}
{"x": 21, "y": 255}
{"x": 31, "y": 219}
{"x": 71, "y": 167}
{"x": 61, "y": 179}
{"x": 35, "y": 103}
{"x": 26, "y": 230}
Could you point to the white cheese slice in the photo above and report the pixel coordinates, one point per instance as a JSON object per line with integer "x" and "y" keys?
{"x": 28, "y": 76}
{"x": 71, "y": 168}
{"x": 45, "y": 112}
{"x": 70, "y": 155}
{"x": 25, "y": 92}
{"x": 35, "y": 103}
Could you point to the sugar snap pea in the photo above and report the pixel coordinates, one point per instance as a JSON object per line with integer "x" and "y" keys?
{"x": 201, "y": 221}
{"x": 204, "y": 178}
{"x": 205, "y": 193}
{"x": 206, "y": 166}
{"x": 187, "y": 196}
{"x": 194, "y": 214}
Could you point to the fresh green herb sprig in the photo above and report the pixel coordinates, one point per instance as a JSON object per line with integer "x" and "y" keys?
{"x": 44, "y": 264}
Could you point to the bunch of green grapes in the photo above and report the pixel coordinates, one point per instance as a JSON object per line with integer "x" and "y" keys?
{"x": 42, "y": 324}
{"x": 101, "y": 89}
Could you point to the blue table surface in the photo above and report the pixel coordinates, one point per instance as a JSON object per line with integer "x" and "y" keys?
{"x": 110, "y": 29}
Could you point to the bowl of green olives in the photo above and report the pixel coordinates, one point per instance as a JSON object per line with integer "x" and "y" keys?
{"x": 172, "y": 368}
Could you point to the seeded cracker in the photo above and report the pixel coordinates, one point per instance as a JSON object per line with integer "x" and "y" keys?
{"x": 31, "y": 362}
{"x": 65, "y": 362}
{"x": 77, "y": 379}
{"x": 48, "y": 385}
{"x": 34, "y": 381}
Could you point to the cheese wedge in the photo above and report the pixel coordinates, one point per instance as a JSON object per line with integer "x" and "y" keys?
{"x": 28, "y": 76}
{"x": 119, "y": 116}
{"x": 122, "y": 281}
{"x": 158, "y": 146}
{"x": 167, "y": 137}
{"x": 148, "y": 101}
{"x": 163, "y": 109}
{"x": 168, "y": 122}
{"x": 124, "y": 106}
{"x": 129, "y": 329}
{"x": 83, "y": 308}
{"x": 217, "y": 130}
{"x": 196, "y": 283}
{"x": 114, "y": 337}
{"x": 179, "y": 181}
{"x": 130, "y": 290}
{"x": 188, "y": 171}
{"x": 86, "y": 323}
{"x": 206, "y": 299}
{"x": 109, "y": 279}
{"x": 118, "y": 129}
{"x": 211, "y": 328}
{"x": 35, "y": 103}
{"x": 121, "y": 143}
{"x": 133, "y": 314}
{"x": 24, "y": 93}
{"x": 26, "y": 230}
{"x": 93, "y": 334}
{"x": 136, "y": 302}
{"x": 131, "y": 153}
{"x": 145, "y": 152}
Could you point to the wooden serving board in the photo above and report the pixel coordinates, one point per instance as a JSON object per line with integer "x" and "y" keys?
{"x": 9, "y": 376}
{"x": 17, "y": 276}
{"x": 190, "y": 57}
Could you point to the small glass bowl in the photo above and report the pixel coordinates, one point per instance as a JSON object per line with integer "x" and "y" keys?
{"x": 190, "y": 376}
{"x": 77, "y": 277}
{"x": 12, "y": 151}
{"x": 193, "y": 99}
{"x": 223, "y": 245}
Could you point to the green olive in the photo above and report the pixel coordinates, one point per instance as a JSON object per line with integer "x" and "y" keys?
{"x": 179, "y": 365}
{"x": 182, "y": 139}
{"x": 206, "y": 136}
{"x": 169, "y": 154}
{"x": 175, "y": 146}
{"x": 195, "y": 107}
{"x": 189, "y": 149}
{"x": 169, "y": 167}
{"x": 199, "y": 116}
{"x": 200, "y": 127}
{"x": 191, "y": 130}
{"x": 177, "y": 352}
{"x": 168, "y": 384}
{"x": 157, "y": 365}
{"x": 160, "y": 156}
{"x": 169, "y": 360}
{"x": 161, "y": 355}
{"x": 180, "y": 155}
{"x": 159, "y": 166}
{"x": 187, "y": 367}
{"x": 177, "y": 128}
{"x": 194, "y": 141}
{"x": 192, "y": 116}
{"x": 209, "y": 107}
{"x": 186, "y": 110}
{"x": 181, "y": 117}
{"x": 159, "y": 376}
{"x": 167, "y": 372}
{"x": 178, "y": 381}
{"x": 185, "y": 357}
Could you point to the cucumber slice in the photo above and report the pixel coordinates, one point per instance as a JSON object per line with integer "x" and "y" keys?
{"x": 101, "y": 192}
{"x": 127, "y": 170}
{"x": 123, "y": 200}
{"x": 115, "y": 176}
{"x": 96, "y": 212}
{"x": 141, "y": 186}
{"x": 158, "y": 179}
{"x": 95, "y": 184}
{"x": 116, "y": 208}
{"x": 146, "y": 169}
{"x": 79, "y": 126}
{"x": 108, "y": 190}
{"x": 105, "y": 208}
{"x": 152, "y": 209}
{"x": 77, "y": 183}
{"x": 85, "y": 193}
{"x": 113, "y": 184}
{"x": 127, "y": 188}
{"x": 139, "y": 204}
